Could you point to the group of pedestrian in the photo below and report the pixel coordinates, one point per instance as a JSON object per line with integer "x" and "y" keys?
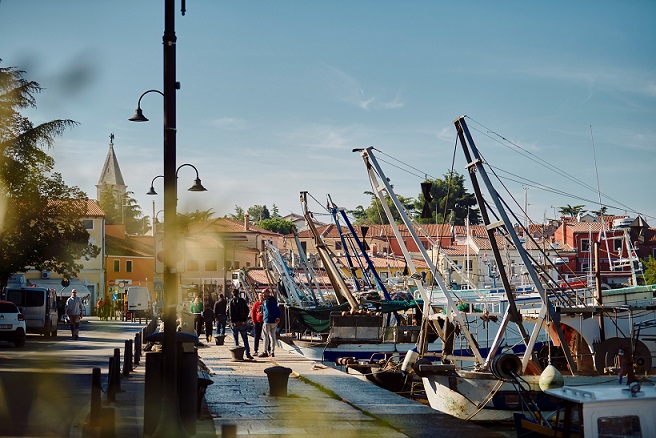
{"x": 264, "y": 314}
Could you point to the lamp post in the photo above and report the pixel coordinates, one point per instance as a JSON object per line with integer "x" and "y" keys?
{"x": 170, "y": 423}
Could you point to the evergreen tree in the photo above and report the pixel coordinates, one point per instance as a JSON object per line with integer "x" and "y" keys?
{"x": 40, "y": 216}
{"x": 450, "y": 200}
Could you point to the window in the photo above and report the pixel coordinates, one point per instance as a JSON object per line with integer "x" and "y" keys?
{"x": 210, "y": 266}
{"x": 235, "y": 264}
{"x": 88, "y": 224}
{"x": 192, "y": 265}
{"x": 338, "y": 246}
{"x": 585, "y": 245}
{"x": 248, "y": 264}
{"x": 617, "y": 244}
{"x": 469, "y": 264}
{"x": 628, "y": 426}
{"x": 117, "y": 266}
{"x": 304, "y": 246}
{"x": 128, "y": 266}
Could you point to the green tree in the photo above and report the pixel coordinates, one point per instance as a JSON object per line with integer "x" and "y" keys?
{"x": 194, "y": 217}
{"x": 601, "y": 212}
{"x": 40, "y": 216}
{"x": 571, "y": 210}
{"x": 450, "y": 200}
{"x": 650, "y": 270}
{"x": 275, "y": 212}
{"x": 238, "y": 215}
{"x": 374, "y": 213}
{"x": 123, "y": 209}
{"x": 277, "y": 225}
{"x": 258, "y": 213}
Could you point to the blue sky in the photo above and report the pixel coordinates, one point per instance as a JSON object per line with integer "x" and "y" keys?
{"x": 275, "y": 95}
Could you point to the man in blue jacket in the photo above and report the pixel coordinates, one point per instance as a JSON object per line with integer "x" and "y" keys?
{"x": 271, "y": 320}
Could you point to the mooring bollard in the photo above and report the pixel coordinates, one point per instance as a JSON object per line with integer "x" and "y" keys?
{"x": 229, "y": 431}
{"x": 219, "y": 339}
{"x": 111, "y": 385}
{"x": 96, "y": 389}
{"x": 127, "y": 362}
{"x": 137, "y": 348}
{"x": 117, "y": 369}
{"x": 278, "y": 377}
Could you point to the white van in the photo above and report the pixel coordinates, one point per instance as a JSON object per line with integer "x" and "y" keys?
{"x": 38, "y": 305}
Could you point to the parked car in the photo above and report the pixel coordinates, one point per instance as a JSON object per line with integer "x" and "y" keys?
{"x": 12, "y": 324}
{"x": 39, "y": 307}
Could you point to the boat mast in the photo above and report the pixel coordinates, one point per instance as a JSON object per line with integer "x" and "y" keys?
{"x": 341, "y": 289}
{"x": 373, "y": 168}
{"x": 475, "y": 165}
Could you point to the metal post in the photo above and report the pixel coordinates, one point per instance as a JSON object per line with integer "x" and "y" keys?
{"x": 111, "y": 385}
{"x": 170, "y": 423}
{"x": 137, "y": 348}
{"x": 94, "y": 414}
{"x": 127, "y": 361}
{"x": 117, "y": 369}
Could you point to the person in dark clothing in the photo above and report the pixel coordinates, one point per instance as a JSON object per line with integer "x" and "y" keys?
{"x": 208, "y": 319}
{"x": 220, "y": 309}
{"x": 238, "y": 313}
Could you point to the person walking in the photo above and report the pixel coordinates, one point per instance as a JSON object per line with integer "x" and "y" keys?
{"x": 238, "y": 314}
{"x": 271, "y": 316}
{"x": 74, "y": 313}
{"x": 257, "y": 317}
{"x": 196, "y": 309}
{"x": 220, "y": 308}
{"x": 208, "y": 319}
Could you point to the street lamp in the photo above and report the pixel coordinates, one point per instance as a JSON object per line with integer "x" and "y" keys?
{"x": 197, "y": 187}
{"x": 170, "y": 423}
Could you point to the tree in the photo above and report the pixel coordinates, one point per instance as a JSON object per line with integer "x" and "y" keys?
{"x": 258, "y": 213}
{"x": 194, "y": 217}
{"x": 375, "y": 215}
{"x": 275, "y": 212}
{"x": 123, "y": 210}
{"x": 601, "y": 212}
{"x": 571, "y": 210}
{"x": 238, "y": 215}
{"x": 650, "y": 270}
{"x": 40, "y": 216}
{"x": 277, "y": 225}
{"x": 450, "y": 201}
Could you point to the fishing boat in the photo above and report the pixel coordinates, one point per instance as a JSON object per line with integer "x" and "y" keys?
{"x": 584, "y": 334}
{"x": 593, "y": 411}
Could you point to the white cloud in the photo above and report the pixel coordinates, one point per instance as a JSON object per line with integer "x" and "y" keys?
{"x": 229, "y": 123}
{"x": 350, "y": 90}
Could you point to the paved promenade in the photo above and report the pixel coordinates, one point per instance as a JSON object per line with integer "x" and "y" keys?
{"x": 320, "y": 402}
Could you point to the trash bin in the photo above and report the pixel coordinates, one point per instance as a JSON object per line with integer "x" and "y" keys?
{"x": 187, "y": 383}
{"x": 278, "y": 377}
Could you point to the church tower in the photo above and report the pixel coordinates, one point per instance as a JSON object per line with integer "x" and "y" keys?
{"x": 110, "y": 176}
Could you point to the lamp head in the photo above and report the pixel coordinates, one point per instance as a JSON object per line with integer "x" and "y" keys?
{"x": 197, "y": 187}
{"x": 138, "y": 116}
{"x": 151, "y": 191}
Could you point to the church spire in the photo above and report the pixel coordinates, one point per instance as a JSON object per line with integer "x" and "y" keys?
{"x": 110, "y": 176}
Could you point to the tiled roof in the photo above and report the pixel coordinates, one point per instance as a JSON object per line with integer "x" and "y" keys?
{"x": 92, "y": 206}
{"x": 226, "y": 225}
{"x": 330, "y": 231}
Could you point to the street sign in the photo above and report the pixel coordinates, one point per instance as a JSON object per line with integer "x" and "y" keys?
{"x": 111, "y": 283}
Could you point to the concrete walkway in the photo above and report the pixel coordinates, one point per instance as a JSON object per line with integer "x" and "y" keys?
{"x": 321, "y": 401}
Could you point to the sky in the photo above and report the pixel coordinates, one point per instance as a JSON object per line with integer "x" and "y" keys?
{"x": 275, "y": 95}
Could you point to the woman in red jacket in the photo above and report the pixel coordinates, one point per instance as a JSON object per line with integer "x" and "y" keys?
{"x": 258, "y": 319}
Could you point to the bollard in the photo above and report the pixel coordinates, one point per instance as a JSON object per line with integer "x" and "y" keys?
{"x": 229, "y": 431}
{"x": 137, "y": 348}
{"x": 96, "y": 389}
{"x": 237, "y": 353}
{"x": 127, "y": 362}
{"x": 219, "y": 339}
{"x": 278, "y": 377}
{"x": 108, "y": 423}
{"x": 111, "y": 385}
{"x": 117, "y": 369}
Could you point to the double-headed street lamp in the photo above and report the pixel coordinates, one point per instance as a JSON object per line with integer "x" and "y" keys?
{"x": 197, "y": 187}
{"x": 169, "y": 423}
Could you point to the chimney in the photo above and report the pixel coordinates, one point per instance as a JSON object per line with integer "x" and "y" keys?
{"x": 246, "y": 222}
